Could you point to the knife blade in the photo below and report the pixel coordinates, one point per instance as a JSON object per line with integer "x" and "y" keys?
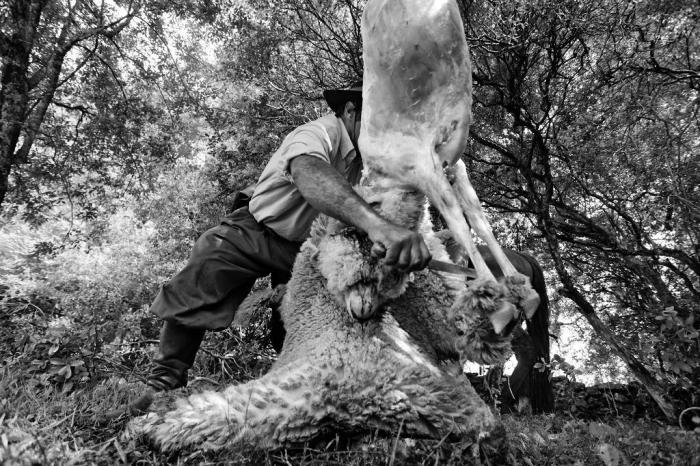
{"x": 442, "y": 266}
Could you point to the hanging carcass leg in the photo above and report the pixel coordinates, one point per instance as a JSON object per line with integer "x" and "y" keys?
{"x": 415, "y": 123}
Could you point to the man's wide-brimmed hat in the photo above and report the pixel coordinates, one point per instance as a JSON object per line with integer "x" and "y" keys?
{"x": 336, "y": 97}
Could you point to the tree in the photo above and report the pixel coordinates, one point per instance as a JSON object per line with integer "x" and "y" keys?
{"x": 280, "y": 55}
{"x": 35, "y": 40}
{"x": 587, "y": 119}
{"x": 294, "y": 47}
{"x": 586, "y": 127}
{"x": 586, "y": 124}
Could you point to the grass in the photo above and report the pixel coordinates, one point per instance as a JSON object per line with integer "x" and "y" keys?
{"x": 43, "y": 424}
{"x": 52, "y": 415}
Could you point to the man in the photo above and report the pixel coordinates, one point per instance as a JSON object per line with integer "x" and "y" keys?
{"x": 313, "y": 171}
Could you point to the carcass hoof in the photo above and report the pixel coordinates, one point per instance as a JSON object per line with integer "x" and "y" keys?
{"x": 520, "y": 292}
{"x": 490, "y": 300}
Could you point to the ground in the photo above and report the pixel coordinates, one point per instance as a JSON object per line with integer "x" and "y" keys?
{"x": 55, "y": 390}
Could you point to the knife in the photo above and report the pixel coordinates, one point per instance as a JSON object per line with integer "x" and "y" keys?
{"x": 442, "y": 266}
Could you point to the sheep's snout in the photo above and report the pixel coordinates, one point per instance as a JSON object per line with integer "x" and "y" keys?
{"x": 362, "y": 301}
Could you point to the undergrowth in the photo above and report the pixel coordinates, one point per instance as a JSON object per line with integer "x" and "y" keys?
{"x": 76, "y": 339}
{"x": 48, "y": 418}
{"x": 40, "y": 426}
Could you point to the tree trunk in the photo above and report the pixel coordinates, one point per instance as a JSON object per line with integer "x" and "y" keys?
{"x": 13, "y": 105}
{"x": 14, "y": 86}
{"x": 47, "y": 90}
{"x": 653, "y": 387}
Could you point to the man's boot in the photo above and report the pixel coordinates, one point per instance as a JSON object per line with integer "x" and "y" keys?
{"x": 178, "y": 348}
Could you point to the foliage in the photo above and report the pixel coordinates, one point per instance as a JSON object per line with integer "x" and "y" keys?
{"x": 297, "y": 46}
{"x": 584, "y": 116}
{"x": 184, "y": 205}
{"x": 86, "y": 301}
{"x": 123, "y": 110}
{"x": 249, "y": 132}
{"x": 612, "y": 442}
{"x": 584, "y": 132}
{"x": 583, "y": 150}
{"x": 36, "y": 40}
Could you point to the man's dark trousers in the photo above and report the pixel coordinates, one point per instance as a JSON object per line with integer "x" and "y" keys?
{"x": 224, "y": 264}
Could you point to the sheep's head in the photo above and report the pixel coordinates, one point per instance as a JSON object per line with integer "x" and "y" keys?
{"x": 359, "y": 280}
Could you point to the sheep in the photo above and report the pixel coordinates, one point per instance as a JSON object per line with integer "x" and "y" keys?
{"x": 400, "y": 369}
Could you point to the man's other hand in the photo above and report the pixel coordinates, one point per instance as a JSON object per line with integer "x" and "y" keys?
{"x": 400, "y": 247}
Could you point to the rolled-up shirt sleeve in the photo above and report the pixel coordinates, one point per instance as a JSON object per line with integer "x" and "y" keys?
{"x": 277, "y": 202}
{"x": 312, "y": 140}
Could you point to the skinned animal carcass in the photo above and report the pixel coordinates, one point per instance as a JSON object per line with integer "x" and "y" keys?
{"x": 415, "y": 122}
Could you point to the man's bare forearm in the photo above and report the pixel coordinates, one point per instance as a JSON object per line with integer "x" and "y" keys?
{"x": 328, "y": 192}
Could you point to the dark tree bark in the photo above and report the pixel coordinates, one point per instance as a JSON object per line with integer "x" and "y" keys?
{"x": 24, "y": 20}
{"x": 31, "y": 71}
{"x": 655, "y": 389}
{"x": 572, "y": 130}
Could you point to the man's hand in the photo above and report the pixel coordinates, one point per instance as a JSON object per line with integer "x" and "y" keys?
{"x": 328, "y": 192}
{"x": 400, "y": 247}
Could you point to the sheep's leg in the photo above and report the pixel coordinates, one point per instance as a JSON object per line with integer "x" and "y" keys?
{"x": 294, "y": 405}
{"x": 518, "y": 285}
{"x": 434, "y": 184}
{"x": 269, "y": 412}
{"x": 471, "y": 206}
{"x": 490, "y": 297}
{"x": 410, "y": 398}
